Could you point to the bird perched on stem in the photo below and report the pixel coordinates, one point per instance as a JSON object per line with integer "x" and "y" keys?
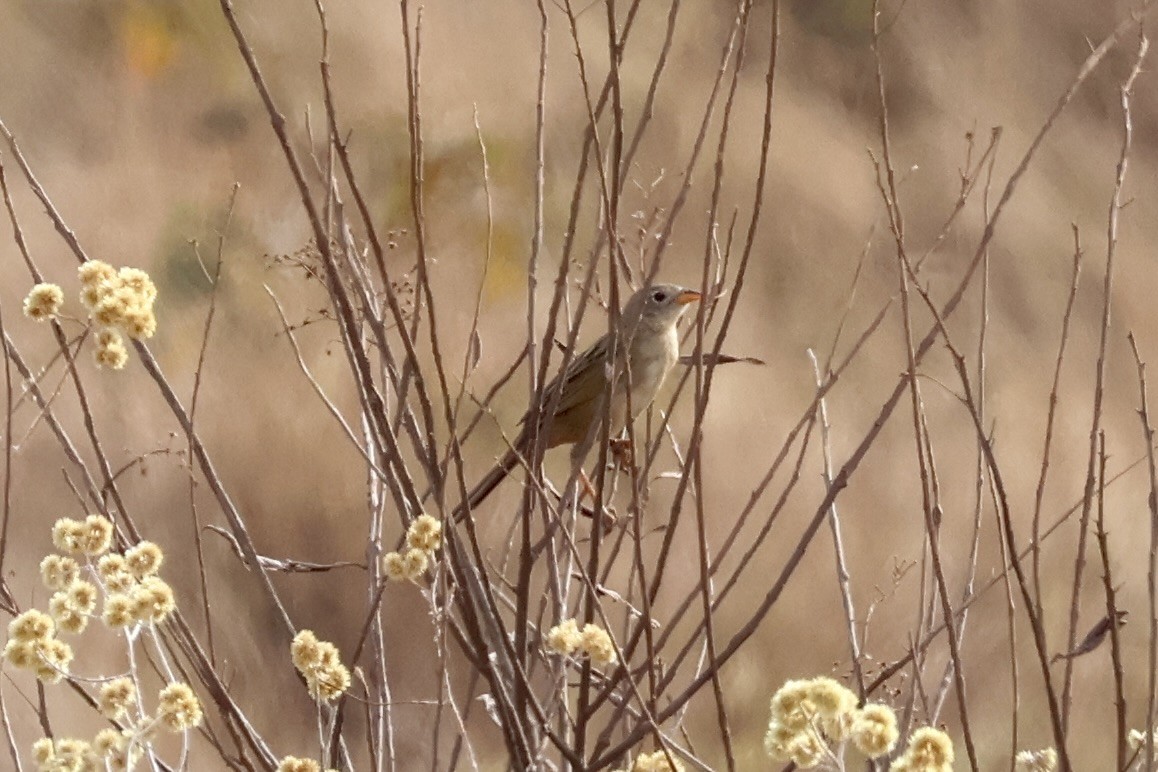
{"x": 647, "y": 348}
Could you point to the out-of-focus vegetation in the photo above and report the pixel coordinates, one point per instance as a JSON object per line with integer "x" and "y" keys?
{"x": 139, "y": 117}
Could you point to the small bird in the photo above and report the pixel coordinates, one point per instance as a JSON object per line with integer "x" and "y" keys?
{"x": 646, "y": 350}
{"x": 1094, "y": 637}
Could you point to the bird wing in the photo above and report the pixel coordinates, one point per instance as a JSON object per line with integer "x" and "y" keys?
{"x": 582, "y": 381}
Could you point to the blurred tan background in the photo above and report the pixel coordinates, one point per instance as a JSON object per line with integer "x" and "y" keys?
{"x": 139, "y": 116}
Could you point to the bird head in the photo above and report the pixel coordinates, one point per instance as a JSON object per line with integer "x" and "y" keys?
{"x": 658, "y": 306}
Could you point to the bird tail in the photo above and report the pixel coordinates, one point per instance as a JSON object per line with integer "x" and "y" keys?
{"x": 487, "y": 484}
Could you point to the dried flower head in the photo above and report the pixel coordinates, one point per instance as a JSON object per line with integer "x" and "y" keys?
{"x": 121, "y": 299}
{"x": 294, "y": 764}
{"x": 83, "y": 596}
{"x": 110, "y": 352}
{"x": 306, "y": 650}
{"x": 394, "y": 566}
{"x": 564, "y": 638}
{"x": 96, "y": 535}
{"x": 110, "y": 308}
{"x": 806, "y": 716}
{"x": 32, "y": 625}
{"x": 48, "y": 657}
{"x": 929, "y": 750}
{"x": 178, "y": 708}
{"x": 153, "y": 600}
{"x": 1036, "y": 761}
{"x": 43, "y": 302}
{"x": 72, "y": 606}
{"x": 329, "y": 683}
{"x": 64, "y": 755}
{"x": 416, "y": 563}
{"x": 144, "y": 559}
{"x": 108, "y": 743}
{"x": 656, "y": 761}
{"x": 596, "y": 644}
{"x": 120, "y": 610}
{"x": 116, "y": 697}
{"x": 58, "y": 571}
{"x": 72, "y": 622}
{"x": 803, "y": 747}
{"x": 139, "y": 323}
{"x": 24, "y": 655}
{"x": 117, "y": 299}
{"x": 140, "y": 283}
{"x": 874, "y": 730}
{"x": 321, "y": 666}
{"x": 43, "y": 752}
{"x": 425, "y": 533}
{"x": 92, "y": 294}
{"x": 68, "y": 535}
{"x": 55, "y": 656}
{"x": 94, "y": 272}
{"x": 835, "y": 706}
{"x": 114, "y": 572}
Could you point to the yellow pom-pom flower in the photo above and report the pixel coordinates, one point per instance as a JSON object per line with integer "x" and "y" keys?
{"x": 874, "y": 730}
{"x": 416, "y": 562}
{"x": 929, "y": 750}
{"x": 96, "y": 535}
{"x": 43, "y": 302}
{"x": 1036, "y": 761}
{"x": 394, "y": 566}
{"x": 144, "y": 559}
{"x": 153, "y": 600}
{"x": 116, "y": 697}
{"x": 55, "y": 656}
{"x": 656, "y": 761}
{"x": 68, "y": 535}
{"x": 178, "y": 708}
{"x": 321, "y": 666}
{"x": 31, "y": 625}
{"x": 425, "y": 533}
{"x": 120, "y": 611}
{"x": 596, "y": 644}
{"x": 58, "y": 572}
{"x": 564, "y": 638}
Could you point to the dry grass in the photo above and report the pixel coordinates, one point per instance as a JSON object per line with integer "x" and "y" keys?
{"x": 352, "y": 258}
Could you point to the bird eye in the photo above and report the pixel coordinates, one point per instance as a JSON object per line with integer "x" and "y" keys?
{"x": 658, "y": 296}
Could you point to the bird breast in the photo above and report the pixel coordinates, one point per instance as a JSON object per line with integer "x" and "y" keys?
{"x": 648, "y": 367}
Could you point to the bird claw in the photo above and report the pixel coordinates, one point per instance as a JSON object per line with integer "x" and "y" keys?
{"x": 622, "y": 452}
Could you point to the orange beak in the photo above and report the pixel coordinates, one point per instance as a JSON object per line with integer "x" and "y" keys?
{"x": 687, "y": 296}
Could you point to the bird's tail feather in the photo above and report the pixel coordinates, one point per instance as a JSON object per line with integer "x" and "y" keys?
{"x": 488, "y": 483}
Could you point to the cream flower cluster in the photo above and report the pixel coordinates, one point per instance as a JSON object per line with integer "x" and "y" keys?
{"x": 566, "y": 638}
{"x": 79, "y": 575}
{"x": 812, "y": 721}
{"x": 133, "y": 593}
{"x": 656, "y": 761}
{"x": 43, "y": 302}
{"x": 33, "y": 645}
{"x": 929, "y": 750}
{"x": 294, "y": 764}
{"x": 119, "y": 302}
{"x": 178, "y": 710}
{"x": 321, "y": 665}
{"x": 1036, "y": 761}
{"x": 423, "y": 540}
{"x": 106, "y": 751}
